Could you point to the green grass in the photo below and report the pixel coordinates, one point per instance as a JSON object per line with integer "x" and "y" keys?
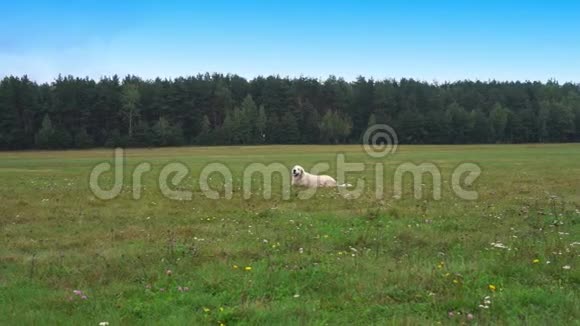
{"x": 321, "y": 261}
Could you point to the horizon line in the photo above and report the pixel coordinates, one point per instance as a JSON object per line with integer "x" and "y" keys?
{"x": 295, "y": 77}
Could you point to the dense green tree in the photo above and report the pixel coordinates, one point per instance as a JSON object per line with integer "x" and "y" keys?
{"x": 143, "y": 135}
{"x": 310, "y": 130}
{"x": 45, "y": 136}
{"x": 362, "y": 104}
{"x": 577, "y": 123}
{"x": 248, "y": 115}
{"x": 82, "y": 139}
{"x": 261, "y": 125}
{"x": 543, "y": 116}
{"x": 334, "y": 127}
{"x": 228, "y": 109}
{"x": 204, "y": 137}
{"x": 572, "y": 100}
{"x": 460, "y": 124}
{"x": 498, "y": 118}
{"x": 167, "y": 134}
{"x": 384, "y": 101}
{"x": 228, "y": 133}
{"x": 560, "y": 122}
{"x": 290, "y": 127}
{"x": 482, "y": 130}
{"x": 437, "y": 128}
{"x": 113, "y": 138}
{"x": 372, "y": 120}
{"x": 18, "y": 110}
{"x": 274, "y": 132}
{"x": 129, "y": 102}
{"x": 411, "y": 127}
{"x": 62, "y": 138}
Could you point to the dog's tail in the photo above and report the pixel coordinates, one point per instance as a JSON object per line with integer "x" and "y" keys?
{"x": 345, "y": 185}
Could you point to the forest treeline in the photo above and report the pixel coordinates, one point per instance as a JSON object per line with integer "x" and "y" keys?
{"x": 218, "y": 109}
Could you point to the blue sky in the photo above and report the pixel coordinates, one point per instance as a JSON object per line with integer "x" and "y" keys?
{"x": 427, "y": 40}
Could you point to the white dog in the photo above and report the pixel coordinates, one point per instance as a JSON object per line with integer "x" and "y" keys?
{"x": 303, "y": 178}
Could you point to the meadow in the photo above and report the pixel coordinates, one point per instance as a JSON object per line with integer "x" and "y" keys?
{"x": 509, "y": 257}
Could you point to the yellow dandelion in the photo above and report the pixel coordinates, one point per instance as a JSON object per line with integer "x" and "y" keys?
{"x": 492, "y": 287}
{"x": 206, "y": 310}
{"x": 535, "y": 261}
{"x": 248, "y": 268}
{"x": 235, "y": 266}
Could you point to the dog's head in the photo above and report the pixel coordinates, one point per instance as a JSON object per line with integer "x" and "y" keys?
{"x": 297, "y": 171}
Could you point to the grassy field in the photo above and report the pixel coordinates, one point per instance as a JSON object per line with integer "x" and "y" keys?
{"x": 509, "y": 257}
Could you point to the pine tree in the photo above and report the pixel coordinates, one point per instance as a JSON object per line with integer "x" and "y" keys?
{"x": 82, "y": 139}
{"x": 372, "y": 120}
{"x": 113, "y": 138}
{"x": 204, "y": 136}
{"x": 247, "y": 126}
{"x": 560, "y": 122}
{"x": 290, "y": 127}
{"x": 275, "y": 134}
{"x": 45, "y": 136}
{"x": 142, "y": 135}
{"x": 459, "y": 123}
{"x": 328, "y": 127}
{"x": 261, "y": 125}
{"x": 410, "y": 127}
{"x": 162, "y": 132}
{"x": 223, "y": 109}
{"x": 130, "y": 99}
{"x": 310, "y": 128}
{"x": 498, "y": 118}
{"x": 334, "y": 128}
{"x": 482, "y": 130}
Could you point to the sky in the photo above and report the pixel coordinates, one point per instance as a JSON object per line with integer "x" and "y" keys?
{"x": 426, "y": 40}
